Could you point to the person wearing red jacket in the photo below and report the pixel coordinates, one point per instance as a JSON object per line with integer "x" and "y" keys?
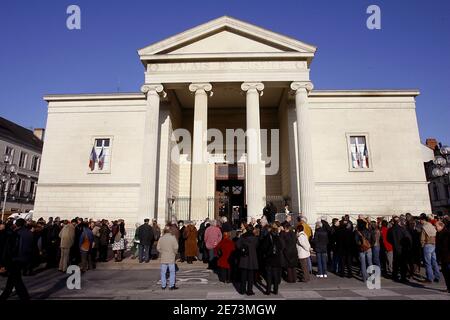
{"x": 224, "y": 250}
{"x": 387, "y": 246}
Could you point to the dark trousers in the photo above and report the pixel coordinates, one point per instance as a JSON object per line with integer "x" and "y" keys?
{"x": 446, "y": 272}
{"x": 291, "y": 275}
{"x": 224, "y": 275}
{"x": 345, "y": 263}
{"x": 15, "y": 281}
{"x": 399, "y": 264}
{"x": 103, "y": 252}
{"x": 52, "y": 256}
{"x": 247, "y": 279}
{"x": 304, "y": 268}
{"x": 94, "y": 252}
{"x": 86, "y": 262}
{"x": 273, "y": 278}
{"x": 144, "y": 253}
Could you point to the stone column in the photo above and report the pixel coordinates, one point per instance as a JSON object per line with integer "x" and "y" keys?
{"x": 147, "y": 199}
{"x": 305, "y": 160}
{"x": 255, "y": 168}
{"x": 199, "y": 159}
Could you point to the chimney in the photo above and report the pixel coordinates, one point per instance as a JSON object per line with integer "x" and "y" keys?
{"x": 39, "y": 133}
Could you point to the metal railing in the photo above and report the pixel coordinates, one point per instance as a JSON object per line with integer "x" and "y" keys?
{"x": 180, "y": 208}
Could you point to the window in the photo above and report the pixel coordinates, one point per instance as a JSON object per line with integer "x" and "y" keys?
{"x": 447, "y": 192}
{"x": 10, "y": 152}
{"x": 435, "y": 192}
{"x": 35, "y": 164}
{"x": 103, "y": 154}
{"x": 23, "y": 160}
{"x": 359, "y": 152}
{"x": 22, "y": 186}
{"x": 32, "y": 189}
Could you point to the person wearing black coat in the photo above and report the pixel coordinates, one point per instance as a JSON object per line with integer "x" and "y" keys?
{"x": 443, "y": 250}
{"x": 181, "y": 241}
{"x": 17, "y": 254}
{"x": 290, "y": 255}
{"x": 344, "y": 247}
{"x": 247, "y": 246}
{"x": 2, "y": 242}
{"x": 103, "y": 241}
{"x": 272, "y": 253}
{"x": 146, "y": 237}
{"x": 53, "y": 243}
{"x": 320, "y": 245}
{"x": 401, "y": 242}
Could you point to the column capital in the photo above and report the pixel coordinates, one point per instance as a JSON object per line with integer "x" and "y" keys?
{"x": 307, "y": 85}
{"x": 248, "y": 86}
{"x": 153, "y": 88}
{"x": 201, "y": 87}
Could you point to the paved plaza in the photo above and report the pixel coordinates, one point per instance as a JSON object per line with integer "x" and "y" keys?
{"x": 131, "y": 280}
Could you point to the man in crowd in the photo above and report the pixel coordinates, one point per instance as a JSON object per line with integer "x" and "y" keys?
{"x": 146, "y": 236}
{"x": 18, "y": 253}
{"x": 428, "y": 241}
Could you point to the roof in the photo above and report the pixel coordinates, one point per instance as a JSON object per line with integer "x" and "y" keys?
{"x": 365, "y": 93}
{"x": 283, "y": 46}
{"x": 95, "y": 96}
{"x": 18, "y": 134}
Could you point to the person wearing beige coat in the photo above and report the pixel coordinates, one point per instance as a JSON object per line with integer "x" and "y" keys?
{"x": 67, "y": 236}
{"x": 168, "y": 249}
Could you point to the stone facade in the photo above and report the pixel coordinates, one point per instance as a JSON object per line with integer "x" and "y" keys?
{"x": 227, "y": 74}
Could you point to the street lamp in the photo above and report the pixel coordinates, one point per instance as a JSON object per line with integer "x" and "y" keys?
{"x": 441, "y": 163}
{"x": 8, "y": 179}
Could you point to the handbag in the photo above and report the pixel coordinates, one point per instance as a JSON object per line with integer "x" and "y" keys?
{"x": 365, "y": 244}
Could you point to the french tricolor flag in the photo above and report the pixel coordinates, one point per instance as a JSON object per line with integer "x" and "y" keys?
{"x": 93, "y": 159}
{"x": 101, "y": 159}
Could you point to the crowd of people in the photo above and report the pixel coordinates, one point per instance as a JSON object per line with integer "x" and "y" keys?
{"x": 262, "y": 252}
{"x": 267, "y": 251}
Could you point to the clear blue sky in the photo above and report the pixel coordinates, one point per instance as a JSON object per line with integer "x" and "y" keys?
{"x": 39, "y": 55}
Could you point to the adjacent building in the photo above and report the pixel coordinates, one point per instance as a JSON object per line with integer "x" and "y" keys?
{"x": 147, "y": 154}
{"x": 439, "y": 187}
{"x": 24, "y": 148}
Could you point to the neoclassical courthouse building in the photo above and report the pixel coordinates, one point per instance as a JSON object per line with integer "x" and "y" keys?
{"x": 339, "y": 151}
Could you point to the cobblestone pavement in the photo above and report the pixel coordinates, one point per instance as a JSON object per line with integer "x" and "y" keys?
{"x": 130, "y": 280}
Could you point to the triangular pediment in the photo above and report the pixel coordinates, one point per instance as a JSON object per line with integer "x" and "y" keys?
{"x": 224, "y": 36}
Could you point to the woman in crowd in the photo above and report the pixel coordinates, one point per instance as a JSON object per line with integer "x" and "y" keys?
{"x": 118, "y": 238}
{"x": 320, "y": 245}
{"x": 364, "y": 241}
{"x": 376, "y": 235}
{"x": 303, "y": 252}
{"x": 289, "y": 258}
{"x": 272, "y": 252}
{"x": 248, "y": 259}
{"x": 225, "y": 249}
{"x": 190, "y": 235}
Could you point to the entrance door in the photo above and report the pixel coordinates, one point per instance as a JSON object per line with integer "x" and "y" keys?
{"x": 230, "y": 196}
